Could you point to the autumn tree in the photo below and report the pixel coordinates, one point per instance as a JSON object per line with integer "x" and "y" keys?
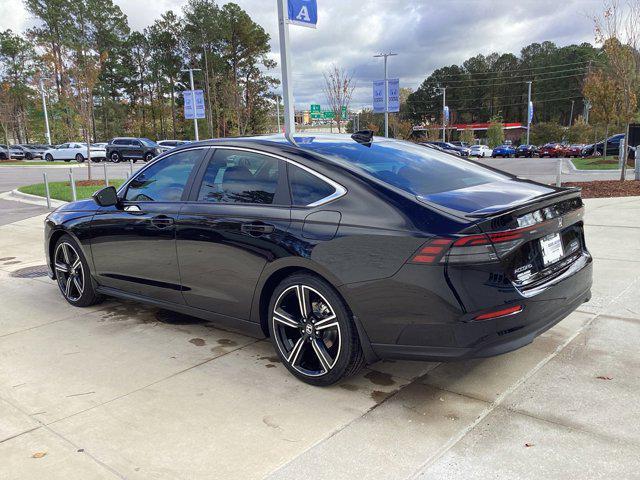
{"x": 495, "y": 132}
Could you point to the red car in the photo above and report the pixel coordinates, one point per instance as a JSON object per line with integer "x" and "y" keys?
{"x": 574, "y": 150}
{"x": 552, "y": 150}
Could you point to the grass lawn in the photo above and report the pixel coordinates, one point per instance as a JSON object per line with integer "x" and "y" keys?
{"x": 22, "y": 162}
{"x": 595, "y": 163}
{"x": 62, "y": 190}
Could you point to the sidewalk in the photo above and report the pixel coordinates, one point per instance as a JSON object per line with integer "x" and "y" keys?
{"x": 126, "y": 391}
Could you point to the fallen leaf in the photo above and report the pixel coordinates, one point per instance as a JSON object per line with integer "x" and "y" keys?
{"x": 529, "y": 445}
{"x": 38, "y": 455}
{"x": 604, "y": 377}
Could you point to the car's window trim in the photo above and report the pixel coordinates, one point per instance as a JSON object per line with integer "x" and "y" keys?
{"x": 188, "y": 185}
{"x": 339, "y": 190}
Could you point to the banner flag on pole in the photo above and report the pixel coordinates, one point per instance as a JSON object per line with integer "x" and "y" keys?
{"x": 378, "y": 96}
{"x": 303, "y": 13}
{"x": 188, "y": 104}
{"x": 394, "y": 94}
{"x": 530, "y": 112}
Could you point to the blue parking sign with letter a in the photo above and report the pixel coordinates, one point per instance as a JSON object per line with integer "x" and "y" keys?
{"x": 303, "y": 12}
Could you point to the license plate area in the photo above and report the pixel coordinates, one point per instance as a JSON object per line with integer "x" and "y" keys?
{"x": 551, "y": 247}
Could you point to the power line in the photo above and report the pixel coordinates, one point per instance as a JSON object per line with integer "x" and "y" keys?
{"x": 520, "y": 69}
{"x": 498, "y": 107}
{"x": 510, "y": 76}
{"x": 494, "y": 98}
{"x": 517, "y": 82}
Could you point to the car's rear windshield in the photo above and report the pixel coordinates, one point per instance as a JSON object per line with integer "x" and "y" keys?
{"x": 414, "y": 168}
{"x": 148, "y": 143}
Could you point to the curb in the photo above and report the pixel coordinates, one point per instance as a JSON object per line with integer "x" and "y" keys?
{"x": 580, "y": 170}
{"x": 16, "y": 196}
{"x": 73, "y": 165}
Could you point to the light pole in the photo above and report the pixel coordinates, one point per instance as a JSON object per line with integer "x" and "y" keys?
{"x": 528, "y": 111}
{"x": 587, "y": 107}
{"x": 193, "y": 99}
{"x": 571, "y": 115}
{"x": 278, "y": 111}
{"x": 46, "y": 115}
{"x": 386, "y": 90}
{"x": 444, "y": 119}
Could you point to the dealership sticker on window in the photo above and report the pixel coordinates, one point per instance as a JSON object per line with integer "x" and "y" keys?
{"x": 551, "y": 246}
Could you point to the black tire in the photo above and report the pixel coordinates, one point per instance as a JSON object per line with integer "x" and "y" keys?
{"x": 73, "y": 274}
{"x": 79, "y": 158}
{"x": 115, "y": 157}
{"x": 148, "y": 157}
{"x": 48, "y": 157}
{"x": 28, "y": 156}
{"x": 314, "y": 351}
{"x": 3, "y": 156}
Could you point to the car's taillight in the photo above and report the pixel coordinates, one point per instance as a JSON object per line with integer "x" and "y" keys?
{"x": 476, "y": 248}
{"x": 503, "y": 312}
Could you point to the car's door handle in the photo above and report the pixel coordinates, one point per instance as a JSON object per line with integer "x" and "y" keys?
{"x": 162, "y": 221}
{"x": 257, "y": 228}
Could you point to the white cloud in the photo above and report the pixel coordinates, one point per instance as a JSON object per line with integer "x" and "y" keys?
{"x": 425, "y": 34}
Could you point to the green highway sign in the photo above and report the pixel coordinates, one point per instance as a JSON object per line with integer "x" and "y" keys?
{"x": 344, "y": 113}
{"x": 327, "y": 114}
{"x": 316, "y": 113}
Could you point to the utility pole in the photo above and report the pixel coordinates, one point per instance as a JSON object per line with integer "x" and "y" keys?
{"x": 571, "y": 115}
{"x": 285, "y": 62}
{"x": 278, "y": 111}
{"x": 386, "y": 90}
{"x": 587, "y": 107}
{"x": 443, "y": 90}
{"x": 46, "y": 115}
{"x": 528, "y": 111}
{"x": 193, "y": 99}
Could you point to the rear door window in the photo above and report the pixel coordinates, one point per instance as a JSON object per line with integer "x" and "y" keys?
{"x": 236, "y": 176}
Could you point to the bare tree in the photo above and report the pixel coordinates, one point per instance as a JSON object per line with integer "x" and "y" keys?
{"x": 338, "y": 88}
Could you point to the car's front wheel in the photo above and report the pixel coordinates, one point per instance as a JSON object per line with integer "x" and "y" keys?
{"x": 115, "y": 157}
{"x": 312, "y": 331}
{"x": 79, "y": 158}
{"x": 48, "y": 157}
{"x": 73, "y": 274}
{"x": 148, "y": 157}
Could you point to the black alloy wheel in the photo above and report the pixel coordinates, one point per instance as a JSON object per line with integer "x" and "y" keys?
{"x": 72, "y": 273}
{"x": 115, "y": 157}
{"x": 312, "y": 331}
{"x": 148, "y": 157}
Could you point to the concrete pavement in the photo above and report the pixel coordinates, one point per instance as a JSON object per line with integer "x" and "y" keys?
{"x": 125, "y": 391}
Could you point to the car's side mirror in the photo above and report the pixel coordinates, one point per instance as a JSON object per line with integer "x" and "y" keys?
{"x": 106, "y": 197}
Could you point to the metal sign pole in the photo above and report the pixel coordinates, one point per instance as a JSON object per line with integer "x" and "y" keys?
{"x": 73, "y": 185}
{"x": 278, "y": 111}
{"x": 528, "y": 113}
{"x": 46, "y": 189}
{"x": 285, "y": 61}
{"x": 46, "y": 115}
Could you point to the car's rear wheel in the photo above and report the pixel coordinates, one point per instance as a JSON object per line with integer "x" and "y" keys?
{"x": 28, "y": 156}
{"x": 115, "y": 157}
{"x": 312, "y": 331}
{"x": 73, "y": 274}
{"x": 48, "y": 157}
{"x": 79, "y": 158}
{"x": 148, "y": 157}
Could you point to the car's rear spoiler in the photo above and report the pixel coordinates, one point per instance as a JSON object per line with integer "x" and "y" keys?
{"x": 565, "y": 192}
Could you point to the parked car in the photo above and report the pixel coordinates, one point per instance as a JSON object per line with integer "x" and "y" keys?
{"x": 4, "y": 152}
{"x": 528, "y": 151}
{"x": 613, "y": 148}
{"x": 451, "y": 148}
{"x": 74, "y": 151}
{"x": 574, "y": 150}
{"x": 342, "y": 251}
{"x": 460, "y": 144}
{"x": 127, "y": 148}
{"x": 17, "y": 152}
{"x": 551, "y": 150}
{"x": 173, "y": 143}
{"x": 503, "y": 151}
{"x": 480, "y": 151}
{"x": 34, "y": 150}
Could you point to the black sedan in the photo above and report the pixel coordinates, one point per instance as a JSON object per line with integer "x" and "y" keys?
{"x": 343, "y": 250}
{"x": 526, "y": 151}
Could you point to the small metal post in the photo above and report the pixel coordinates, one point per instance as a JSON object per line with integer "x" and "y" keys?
{"x": 46, "y": 189}
{"x": 73, "y": 185}
{"x": 559, "y": 174}
{"x": 637, "y": 163}
{"x": 130, "y": 167}
{"x": 106, "y": 178}
{"x": 622, "y": 155}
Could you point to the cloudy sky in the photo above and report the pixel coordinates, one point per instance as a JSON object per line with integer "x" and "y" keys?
{"x": 426, "y": 34}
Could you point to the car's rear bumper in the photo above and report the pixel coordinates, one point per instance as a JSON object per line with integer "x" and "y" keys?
{"x": 501, "y": 335}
